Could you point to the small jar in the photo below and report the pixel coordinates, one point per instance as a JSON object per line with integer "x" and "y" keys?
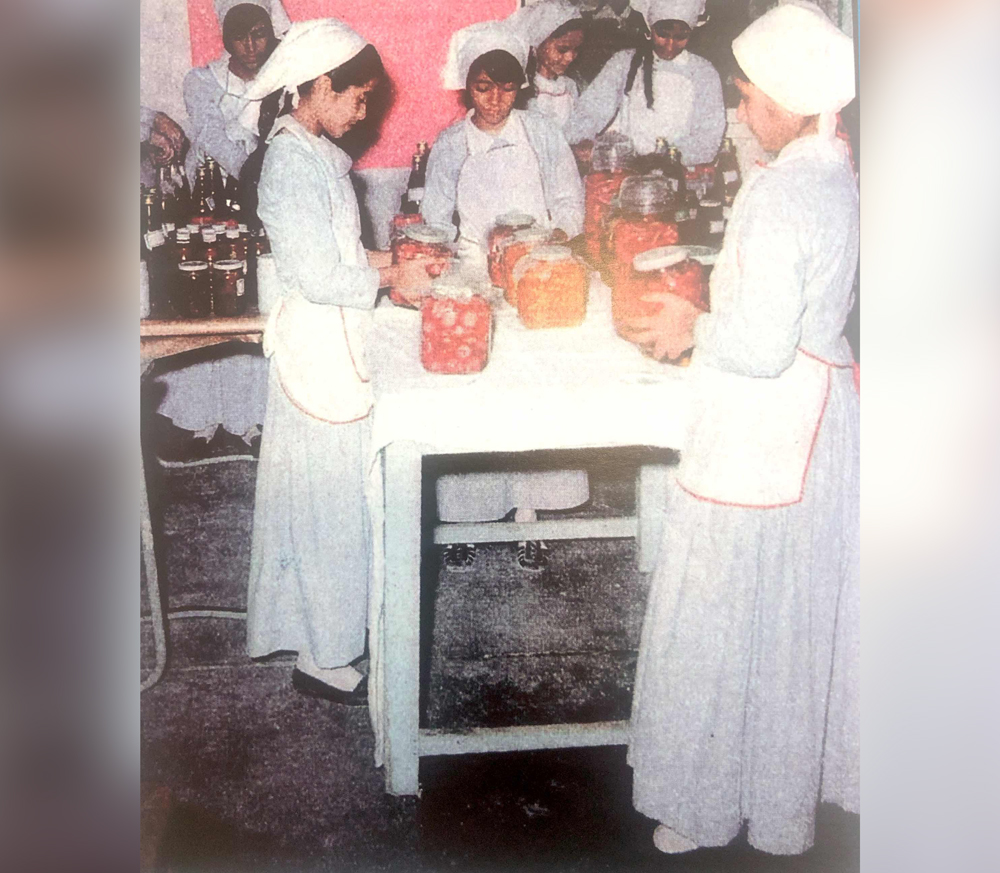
{"x": 400, "y": 221}
{"x": 193, "y": 298}
{"x": 455, "y": 328}
{"x": 237, "y": 249}
{"x": 228, "y": 289}
{"x": 611, "y": 162}
{"x": 711, "y": 223}
{"x": 642, "y": 220}
{"x": 421, "y": 242}
{"x": 551, "y": 288}
{"x": 512, "y": 250}
{"x": 183, "y": 247}
{"x": 664, "y": 269}
{"x": 503, "y": 229}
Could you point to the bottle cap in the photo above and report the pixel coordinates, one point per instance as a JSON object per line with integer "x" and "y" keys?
{"x": 208, "y": 235}
{"x": 192, "y": 266}
{"x": 659, "y": 259}
{"x": 232, "y": 233}
{"x": 183, "y": 235}
{"x": 219, "y": 226}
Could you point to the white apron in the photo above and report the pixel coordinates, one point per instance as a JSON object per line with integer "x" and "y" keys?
{"x": 670, "y": 116}
{"x": 319, "y": 348}
{"x": 554, "y": 98}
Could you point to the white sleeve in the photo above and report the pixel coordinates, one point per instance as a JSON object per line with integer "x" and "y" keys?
{"x": 600, "y": 101}
{"x": 295, "y": 208}
{"x": 708, "y": 119}
{"x": 146, "y": 116}
{"x": 565, "y": 189}
{"x": 208, "y": 127}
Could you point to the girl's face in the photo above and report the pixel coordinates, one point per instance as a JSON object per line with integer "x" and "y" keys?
{"x": 555, "y": 55}
{"x": 774, "y": 126}
{"x": 338, "y": 111}
{"x": 491, "y": 101}
{"x": 251, "y": 50}
{"x": 670, "y": 38}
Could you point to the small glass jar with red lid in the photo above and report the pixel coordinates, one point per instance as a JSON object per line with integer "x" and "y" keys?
{"x": 456, "y": 324}
{"x": 551, "y": 288}
{"x": 503, "y": 229}
{"x": 421, "y": 242}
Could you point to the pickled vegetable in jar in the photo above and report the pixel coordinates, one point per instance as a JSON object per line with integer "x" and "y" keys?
{"x": 667, "y": 269}
{"x": 513, "y": 249}
{"x": 401, "y": 221}
{"x": 612, "y": 161}
{"x": 502, "y": 230}
{"x": 228, "y": 289}
{"x": 643, "y": 220}
{"x": 421, "y": 242}
{"x": 455, "y": 328}
{"x": 193, "y": 297}
{"x": 551, "y": 288}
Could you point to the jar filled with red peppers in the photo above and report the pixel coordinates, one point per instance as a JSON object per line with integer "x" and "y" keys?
{"x": 642, "y": 220}
{"x": 502, "y": 230}
{"x": 455, "y": 327}
{"x": 512, "y": 250}
{"x": 611, "y": 162}
{"x": 421, "y": 242}
{"x": 551, "y": 288}
{"x": 667, "y": 269}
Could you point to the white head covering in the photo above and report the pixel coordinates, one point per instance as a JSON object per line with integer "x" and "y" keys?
{"x": 475, "y": 41}
{"x": 536, "y": 23}
{"x": 687, "y": 11}
{"x": 309, "y": 49}
{"x": 800, "y": 59}
{"x": 274, "y": 8}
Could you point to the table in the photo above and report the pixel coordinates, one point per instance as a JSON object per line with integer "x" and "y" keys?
{"x": 159, "y": 339}
{"x": 547, "y": 389}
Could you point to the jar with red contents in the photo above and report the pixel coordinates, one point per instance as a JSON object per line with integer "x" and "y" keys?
{"x": 400, "y": 221}
{"x": 642, "y": 220}
{"x": 513, "y": 249}
{"x": 193, "y": 293}
{"x": 455, "y": 328}
{"x": 421, "y": 242}
{"x": 228, "y": 289}
{"x": 502, "y": 230}
{"x": 611, "y": 162}
{"x": 669, "y": 269}
{"x": 551, "y": 288}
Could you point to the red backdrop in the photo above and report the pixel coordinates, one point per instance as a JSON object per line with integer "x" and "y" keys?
{"x": 412, "y": 38}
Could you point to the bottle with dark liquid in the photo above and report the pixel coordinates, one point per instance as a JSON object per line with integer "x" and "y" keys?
{"x": 674, "y": 173}
{"x": 202, "y": 201}
{"x": 155, "y": 252}
{"x": 216, "y": 185}
{"x": 656, "y": 161}
{"x": 182, "y": 194}
{"x": 727, "y": 173}
{"x": 414, "y": 195}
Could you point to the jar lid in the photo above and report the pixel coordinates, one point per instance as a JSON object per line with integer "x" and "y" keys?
{"x": 515, "y": 219}
{"x": 659, "y": 259}
{"x": 243, "y": 228}
{"x": 192, "y": 266}
{"x": 551, "y": 253}
{"x": 456, "y": 286}
{"x": 531, "y": 234}
{"x": 613, "y": 151}
{"x": 232, "y": 233}
{"x": 427, "y": 233}
{"x": 183, "y": 235}
{"x": 208, "y": 235}
{"x": 710, "y": 204}
{"x": 705, "y": 255}
{"x": 219, "y": 226}
{"x": 229, "y": 265}
{"x": 645, "y": 194}
{"x": 193, "y": 228}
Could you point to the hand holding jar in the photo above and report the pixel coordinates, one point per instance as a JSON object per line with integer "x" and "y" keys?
{"x": 669, "y": 333}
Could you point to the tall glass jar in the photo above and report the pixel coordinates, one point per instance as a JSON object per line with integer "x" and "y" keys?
{"x": 642, "y": 220}
{"x": 512, "y": 250}
{"x": 611, "y": 161}
{"x": 503, "y": 229}
{"x": 455, "y": 327}
{"x": 667, "y": 269}
{"x": 421, "y": 242}
{"x": 551, "y": 288}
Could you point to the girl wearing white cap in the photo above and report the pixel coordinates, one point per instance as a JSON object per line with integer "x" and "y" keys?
{"x": 553, "y": 31}
{"x": 497, "y": 160}
{"x": 659, "y": 90}
{"x": 746, "y": 698}
{"x": 309, "y": 563}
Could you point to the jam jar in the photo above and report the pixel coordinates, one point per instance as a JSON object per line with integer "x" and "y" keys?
{"x": 421, "y": 242}
{"x": 667, "y": 269}
{"x": 642, "y": 220}
{"x": 512, "y": 250}
{"x": 503, "y": 229}
{"x": 455, "y": 327}
{"x": 193, "y": 298}
{"x": 611, "y": 161}
{"x": 551, "y": 288}
{"x": 229, "y": 288}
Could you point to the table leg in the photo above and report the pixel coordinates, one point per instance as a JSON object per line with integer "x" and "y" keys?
{"x": 402, "y": 617}
{"x": 651, "y": 496}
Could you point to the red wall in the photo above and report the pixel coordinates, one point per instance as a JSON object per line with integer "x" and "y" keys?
{"x": 412, "y": 38}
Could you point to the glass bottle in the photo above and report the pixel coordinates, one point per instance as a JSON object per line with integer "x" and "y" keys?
{"x": 202, "y": 198}
{"x": 727, "y": 173}
{"x": 216, "y": 185}
{"x": 414, "y": 195}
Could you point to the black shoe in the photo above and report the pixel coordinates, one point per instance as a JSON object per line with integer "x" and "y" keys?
{"x": 313, "y": 687}
{"x": 459, "y": 556}
{"x": 532, "y": 555}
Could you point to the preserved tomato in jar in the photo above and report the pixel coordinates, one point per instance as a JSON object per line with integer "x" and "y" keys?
{"x": 229, "y": 288}
{"x": 644, "y": 220}
{"x": 502, "y": 230}
{"x": 513, "y": 249}
{"x": 421, "y": 242}
{"x": 551, "y": 288}
{"x": 455, "y": 328}
{"x": 667, "y": 269}
{"x": 194, "y": 294}
{"x": 401, "y": 221}
{"x": 612, "y": 159}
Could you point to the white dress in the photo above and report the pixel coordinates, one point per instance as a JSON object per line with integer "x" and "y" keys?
{"x": 555, "y": 98}
{"x": 746, "y": 704}
{"x": 311, "y": 551}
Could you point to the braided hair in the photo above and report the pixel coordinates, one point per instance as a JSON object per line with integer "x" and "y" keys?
{"x": 643, "y": 57}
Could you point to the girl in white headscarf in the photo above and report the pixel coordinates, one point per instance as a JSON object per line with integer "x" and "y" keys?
{"x": 309, "y": 562}
{"x": 500, "y": 159}
{"x": 746, "y": 698}
{"x": 658, "y": 90}
{"x": 553, "y": 31}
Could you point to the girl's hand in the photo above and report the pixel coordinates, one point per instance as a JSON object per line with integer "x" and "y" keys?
{"x": 670, "y": 332}
{"x": 378, "y": 259}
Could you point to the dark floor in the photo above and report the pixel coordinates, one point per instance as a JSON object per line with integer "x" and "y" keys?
{"x": 248, "y": 775}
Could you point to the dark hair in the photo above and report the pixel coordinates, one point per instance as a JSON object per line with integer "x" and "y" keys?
{"x": 643, "y": 57}
{"x": 502, "y": 67}
{"x": 530, "y": 91}
{"x": 240, "y": 20}
{"x": 359, "y": 70}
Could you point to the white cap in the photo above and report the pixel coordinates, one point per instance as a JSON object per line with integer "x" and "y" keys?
{"x": 798, "y": 58}
{"x": 537, "y": 22}
{"x": 475, "y": 41}
{"x": 687, "y": 11}
{"x": 274, "y": 9}
{"x": 659, "y": 259}
{"x": 309, "y": 49}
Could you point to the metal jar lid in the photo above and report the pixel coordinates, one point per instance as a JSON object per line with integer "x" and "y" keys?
{"x": 208, "y": 235}
{"x": 551, "y": 253}
{"x": 183, "y": 235}
{"x": 229, "y": 265}
{"x": 659, "y": 259}
{"x": 192, "y": 266}
{"x": 515, "y": 219}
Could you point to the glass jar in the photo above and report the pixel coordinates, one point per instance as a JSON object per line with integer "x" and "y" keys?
{"x": 421, "y": 242}
{"x": 401, "y": 221}
{"x": 503, "y": 229}
{"x": 642, "y": 220}
{"x": 551, "y": 288}
{"x": 512, "y": 250}
{"x": 664, "y": 269}
{"x": 455, "y": 327}
{"x": 193, "y": 297}
{"x": 611, "y": 161}
{"x": 228, "y": 289}
{"x": 711, "y": 225}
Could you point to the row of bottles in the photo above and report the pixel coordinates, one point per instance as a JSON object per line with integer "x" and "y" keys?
{"x": 174, "y": 204}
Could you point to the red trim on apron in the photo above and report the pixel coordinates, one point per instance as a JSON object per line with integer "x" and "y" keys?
{"x": 350, "y": 351}
{"x": 313, "y": 415}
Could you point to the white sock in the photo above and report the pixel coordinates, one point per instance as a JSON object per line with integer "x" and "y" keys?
{"x": 524, "y": 516}
{"x": 668, "y": 840}
{"x": 345, "y": 678}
